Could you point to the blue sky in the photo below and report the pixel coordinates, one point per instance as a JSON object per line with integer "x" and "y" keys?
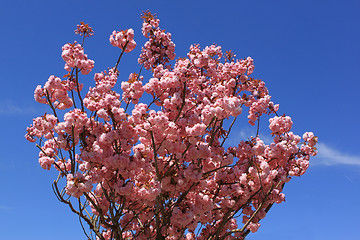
{"x": 307, "y": 52}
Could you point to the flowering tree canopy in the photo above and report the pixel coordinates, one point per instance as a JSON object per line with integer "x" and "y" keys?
{"x": 160, "y": 170}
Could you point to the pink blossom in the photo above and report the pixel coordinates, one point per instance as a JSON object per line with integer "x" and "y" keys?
{"x": 74, "y": 56}
{"x": 77, "y": 184}
{"x": 279, "y": 125}
{"x": 159, "y": 49}
{"x": 310, "y": 138}
{"x": 123, "y": 38}
{"x": 84, "y": 30}
{"x": 158, "y": 151}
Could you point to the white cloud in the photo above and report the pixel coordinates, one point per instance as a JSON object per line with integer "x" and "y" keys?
{"x": 3, "y": 207}
{"x": 329, "y": 156}
{"x": 8, "y": 107}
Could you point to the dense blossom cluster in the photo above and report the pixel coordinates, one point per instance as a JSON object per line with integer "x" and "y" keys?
{"x": 74, "y": 56}
{"x": 55, "y": 93}
{"x": 166, "y": 172}
{"x": 159, "y": 49}
{"x": 122, "y": 39}
{"x": 78, "y": 184}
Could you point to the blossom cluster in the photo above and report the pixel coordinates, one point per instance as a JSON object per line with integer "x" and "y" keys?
{"x": 74, "y": 56}
{"x": 166, "y": 171}
{"x": 132, "y": 89}
{"x": 54, "y": 93}
{"x": 77, "y": 185}
{"x": 84, "y": 30}
{"x": 123, "y": 39}
{"x": 159, "y": 49}
{"x": 102, "y": 96}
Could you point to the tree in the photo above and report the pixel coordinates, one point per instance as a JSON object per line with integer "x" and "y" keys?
{"x": 161, "y": 171}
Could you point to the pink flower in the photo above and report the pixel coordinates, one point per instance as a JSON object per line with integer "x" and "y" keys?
{"x": 156, "y": 151}
{"x": 74, "y": 56}
{"x": 84, "y": 30}
{"x": 77, "y": 185}
{"x": 280, "y": 125}
{"x": 159, "y": 49}
{"x": 196, "y": 130}
{"x": 46, "y": 162}
{"x": 123, "y": 38}
{"x": 310, "y": 138}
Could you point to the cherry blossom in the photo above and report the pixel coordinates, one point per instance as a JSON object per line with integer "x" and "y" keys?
{"x": 84, "y": 30}
{"x": 153, "y": 161}
{"x": 74, "y": 56}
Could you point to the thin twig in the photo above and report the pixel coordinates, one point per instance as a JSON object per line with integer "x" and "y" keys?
{"x": 82, "y": 226}
{"x": 228, "y": 133}
{"x": 183, "y": 102}
{"x": 122, "y": 52}
{"x": 78, "y": 89}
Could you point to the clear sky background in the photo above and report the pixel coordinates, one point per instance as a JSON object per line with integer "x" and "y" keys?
{"x": 307, "y": 52}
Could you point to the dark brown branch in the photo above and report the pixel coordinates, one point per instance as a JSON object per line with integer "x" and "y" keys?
{"x": 96, "y": 231}
{"x": 228, "y": 132}
{"x": 183, "y": 102}
{"x": 78, "y": 89}
{"x": 122, "y": 52}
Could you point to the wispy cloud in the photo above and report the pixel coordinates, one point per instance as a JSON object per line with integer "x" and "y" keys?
{"x": 8, "y": 107}
{"x": 3, "y": 207}
{"x": 330, "y": 156}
